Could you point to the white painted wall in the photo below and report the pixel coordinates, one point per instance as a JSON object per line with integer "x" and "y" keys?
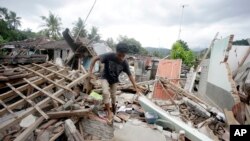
{"x": 235, "y": 56}
{"x": 217, "y": 73}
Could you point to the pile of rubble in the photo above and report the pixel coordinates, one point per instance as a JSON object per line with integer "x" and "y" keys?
{"x": 51, "y": 104}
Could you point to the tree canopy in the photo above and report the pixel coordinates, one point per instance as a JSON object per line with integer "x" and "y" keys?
{"x": 77, "y": 26}
{"x": 9, "y": 24}
{"x": 134, "y": 45}
{"x": 241, "y": 42}
{"x": 94, "y": 34}
{"x": 179, "y": 51}
{"x": 52, "y": 26}
{"x": 14, "y": 20}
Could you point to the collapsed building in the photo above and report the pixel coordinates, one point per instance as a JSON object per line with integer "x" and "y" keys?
{"x": 58, "y": 101}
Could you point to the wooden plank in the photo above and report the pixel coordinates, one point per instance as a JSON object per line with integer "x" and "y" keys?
{"x": 45, "y": 92}
{"x": 230, "y": 118}
{"x": 46, "y": 78}
{"x": 130, "y": 85}
{"x": 164, "y": 89}
{"x": 6, "y": 107}
{"x": 62, "y": 114}
{"x": 71, "y": 132}
{"x": 56, "y": 135}
{"x": 38, "y": 93}
{"x": 247, "y": 111}
{"x": 26, "y": 133}
{"x": 47, "y": 124}
{"x": 53, "y": 72}
{"x": 32, "y": 96}
{"x": 53, "y": 138}
{"x": 41, "y": 104}
{"x": 28, "y": 100}
{"x": 24, "y": 87}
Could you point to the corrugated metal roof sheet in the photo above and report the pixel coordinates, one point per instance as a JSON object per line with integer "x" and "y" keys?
{"x": 101, "y": 48}
{"x": 170, "y": 69}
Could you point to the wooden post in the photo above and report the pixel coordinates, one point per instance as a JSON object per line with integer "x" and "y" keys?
{"x": 70, "y": 113}
{"x": 71, "y": 131}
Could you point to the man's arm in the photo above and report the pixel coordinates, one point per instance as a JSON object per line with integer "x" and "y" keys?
{"x": 92, "y": 64}
{"x": 132, "y": 80}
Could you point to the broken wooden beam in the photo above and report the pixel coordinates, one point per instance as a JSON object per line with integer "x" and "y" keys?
{"x": 32, "y": 96}
{"x": 7, "y": 108}
{"x": 178, "y": 90}
{"x": 44, "y": 77}
{"x": 53, "y": 71}
{"x": 70, "y": 113}
{"x": 41, "y": 104}
{"x": 24, "y": 87}
{"x": 43, "y": 91}
{"x": 230, "y": 118}
{"x": 71, "y": 132}
{"x": 25, "y": 134}
{"x": 28, "y": 100}
{"x": 130, "y": 85}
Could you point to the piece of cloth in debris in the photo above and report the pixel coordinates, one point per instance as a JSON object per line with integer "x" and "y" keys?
{"x": 113, "y": 67}
{"x": 108, "y": 90}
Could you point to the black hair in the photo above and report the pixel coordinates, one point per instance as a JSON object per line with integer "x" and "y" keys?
{"x": 122, "y": 48}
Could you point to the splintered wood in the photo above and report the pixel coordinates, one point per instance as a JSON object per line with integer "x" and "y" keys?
{"x": 40, "y": 93}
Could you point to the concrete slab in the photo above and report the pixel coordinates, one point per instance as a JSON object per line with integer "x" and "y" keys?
{"x": 131, "y": 132}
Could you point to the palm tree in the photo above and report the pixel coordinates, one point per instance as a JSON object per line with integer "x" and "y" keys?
{"x": 3, "y": 13}
{"x": 94, "y": 35}
{"x": 13, "y": 20}
{"x": 52, "y": 26}
{"x": 78, "y": 25}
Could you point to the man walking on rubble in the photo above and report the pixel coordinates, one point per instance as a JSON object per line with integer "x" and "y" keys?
{"x": 114, "y": 64}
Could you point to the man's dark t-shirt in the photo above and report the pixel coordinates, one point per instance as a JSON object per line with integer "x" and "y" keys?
{"x": 113, "y": 67}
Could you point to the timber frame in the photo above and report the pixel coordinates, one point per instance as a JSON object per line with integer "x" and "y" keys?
{"x": 43, "y": 88}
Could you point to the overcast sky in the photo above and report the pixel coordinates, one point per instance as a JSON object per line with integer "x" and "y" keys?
{"x": 154, "y": 23}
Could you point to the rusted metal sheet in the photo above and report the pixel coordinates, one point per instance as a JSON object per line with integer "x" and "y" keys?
{"x": 170, "y": 69}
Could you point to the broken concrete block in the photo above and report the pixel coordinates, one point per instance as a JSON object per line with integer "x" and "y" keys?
{"x": 97, "y": 128}
{"x": 27, "y": 121}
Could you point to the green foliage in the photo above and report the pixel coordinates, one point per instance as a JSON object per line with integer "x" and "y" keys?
{"x": 184, "y": 44}
{"x": 158, "y": 54}
{"x": 178, "y": 51}
{"x": 3, "y": 13}
{"x": 2, "y": 40}
{"x": 13, "y": 20}
{"x": 134, "y": 45}
{"x": 29, "y": 34}
{"x": 9, "y": 23}
{"x": 52, "y": 26}
{"x": 241, "y": 42}
{"x": 94, "y": 35}
{"x": 77, "y": 26}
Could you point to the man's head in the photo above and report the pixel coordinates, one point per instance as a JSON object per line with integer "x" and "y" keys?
{"x": 121, "y": 51}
